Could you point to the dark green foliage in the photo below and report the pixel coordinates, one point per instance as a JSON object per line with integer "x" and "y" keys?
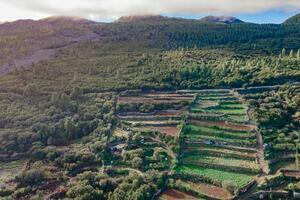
{"x": 170, "y": 33}
{"x": 295, "y": 20}
{"x": 276, "y": 113}
{"x": 30, "y": 178}
{"x": 76, "y": 93}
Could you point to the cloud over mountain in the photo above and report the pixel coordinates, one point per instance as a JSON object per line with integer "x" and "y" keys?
{"x": 99, "y": 9}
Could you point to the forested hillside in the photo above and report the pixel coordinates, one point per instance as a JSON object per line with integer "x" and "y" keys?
{"x": 110, "y": 109}
{"x": 33, "y": 41}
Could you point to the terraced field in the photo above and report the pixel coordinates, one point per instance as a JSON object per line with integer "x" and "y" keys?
{"x": 218, "y": 145}
{"x": 160, "y": 111}
{"x": 218, "y": 148}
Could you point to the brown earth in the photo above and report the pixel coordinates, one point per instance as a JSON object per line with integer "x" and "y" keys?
{"x": 211, "y": 191}
{"x": 295, "y": 174}
{"x": 168, "y": 130}
{"x": 27, "y": 42}
{"x": 223, "y": 124}
{"x": 172, "y": 194}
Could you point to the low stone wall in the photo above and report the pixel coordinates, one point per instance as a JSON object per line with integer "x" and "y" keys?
{"x": 268, "y": 195}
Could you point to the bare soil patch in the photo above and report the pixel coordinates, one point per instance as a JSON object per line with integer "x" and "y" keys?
{"x": 295, "y": 174}
{"x": 172, "y": 194}
{"x": 168, "y": 130}
{"x": 212, "y": 191}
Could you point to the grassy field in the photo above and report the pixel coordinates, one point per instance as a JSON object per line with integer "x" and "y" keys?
{"x": 221, "y": 151}
{"x": 238, "y": 179}
{"x": 230, "y": 162}
{"x": 219, "y": 131}
{"x": 243, "y": 142}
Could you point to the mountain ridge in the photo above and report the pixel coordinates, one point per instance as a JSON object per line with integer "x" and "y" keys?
{"x": 221, "y": 19}
{"x": 133, "y": 18}
{"x": 293, "y": 20}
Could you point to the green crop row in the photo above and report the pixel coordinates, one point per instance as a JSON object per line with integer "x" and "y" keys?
{"x": 239, "y": 179}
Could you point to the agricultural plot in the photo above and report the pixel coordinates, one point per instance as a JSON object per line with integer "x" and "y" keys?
{"x": 172, "y": 194}
{"x": 161, "y": 111}
{"x": 218, "y": 145}
{"x": 226, "y": 105}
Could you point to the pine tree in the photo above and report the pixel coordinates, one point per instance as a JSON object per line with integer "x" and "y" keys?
{"x": 283, "y": 52}
{"x": 292, "y": 53}
{"x": 70, "y": 128}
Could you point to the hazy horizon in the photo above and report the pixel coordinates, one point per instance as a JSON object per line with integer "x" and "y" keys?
{"x": 256, "y": 11}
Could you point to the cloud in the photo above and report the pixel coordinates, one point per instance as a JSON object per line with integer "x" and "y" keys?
{"x": 99, "y": 9}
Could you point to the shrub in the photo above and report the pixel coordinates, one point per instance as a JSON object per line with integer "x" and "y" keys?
{"x": 76, "y": 93}
{"x": 82, "y": 190}
{"x": 229, "y": 186}
{"x": 30, "y": 90}
{"x": 147, "y": 108}
{"x": 32, "y": 177}
{"x": 137, "y": 162}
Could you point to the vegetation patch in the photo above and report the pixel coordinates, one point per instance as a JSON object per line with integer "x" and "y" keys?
{"x": 239, "y": 179}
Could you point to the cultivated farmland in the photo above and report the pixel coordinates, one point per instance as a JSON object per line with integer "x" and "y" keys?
{"x": 218, "y": 147}
{"x": 159, "y": 111}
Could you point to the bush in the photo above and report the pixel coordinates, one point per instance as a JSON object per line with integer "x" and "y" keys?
{"x": 147, "y": 108}
{"x": 137, "y": 162}
{"x": 32, "y": 177}
{"x": 30, "y": 90}
{"x": 82, "y": 190}
{"x": 76, "y": 93}
{"x": 229, "y": 186}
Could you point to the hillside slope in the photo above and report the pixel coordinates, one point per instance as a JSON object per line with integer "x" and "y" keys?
{"x": 25, "y": 42}
{"x": 99, "y": 116}
{"x": 293, "y": 20}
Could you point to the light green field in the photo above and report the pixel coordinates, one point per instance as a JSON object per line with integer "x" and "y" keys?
{"x": 238, "y": 179}
{"x": 214, "y": 160}
{"x": 220, "y": 139}
{"x": 218, "y": 131}
{"x": 215, "y": 149}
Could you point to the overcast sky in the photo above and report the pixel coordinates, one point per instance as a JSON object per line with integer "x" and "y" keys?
{"x": 260, "y": 11}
